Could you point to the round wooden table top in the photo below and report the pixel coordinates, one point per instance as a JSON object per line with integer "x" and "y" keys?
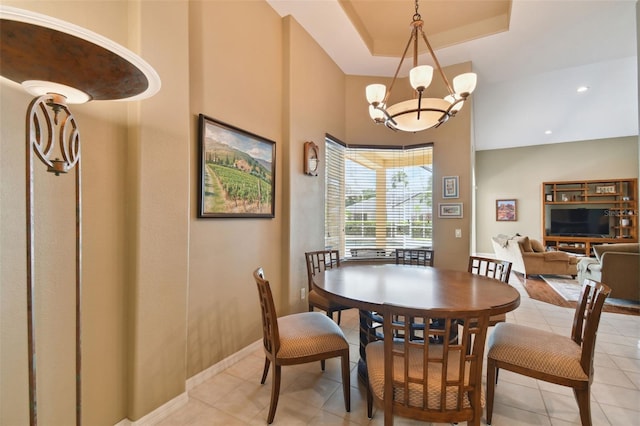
{"x": 367, "y": 287}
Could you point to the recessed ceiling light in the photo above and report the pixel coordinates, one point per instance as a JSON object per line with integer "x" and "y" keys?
{"x": 547, "y": 132}
{"x": 582, "y": 89}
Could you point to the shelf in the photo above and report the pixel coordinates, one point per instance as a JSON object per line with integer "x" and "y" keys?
{"x": 613, "y": 199}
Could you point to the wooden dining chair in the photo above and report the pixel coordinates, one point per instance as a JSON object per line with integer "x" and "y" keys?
{"x": 492, "y": 268}
{"x": 298, "y": 339}
{"x": 319, "y": 261}
{"x": 422, "y": 257}
{"x": 419, "y": 257}
{"x": 440, "y": 383}
{"x": 550, "y": 357}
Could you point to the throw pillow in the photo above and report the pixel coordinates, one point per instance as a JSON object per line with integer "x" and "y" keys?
{"x": 525, "y": 244}
{"x": 537, "y": 246}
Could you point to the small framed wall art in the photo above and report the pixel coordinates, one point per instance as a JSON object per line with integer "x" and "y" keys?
{"x": 506, "y": 210}
{"x": 450, "y": 187}
{"x": 450, "y": 210}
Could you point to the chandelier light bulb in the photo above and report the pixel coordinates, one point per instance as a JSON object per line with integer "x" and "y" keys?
{"x": 375, "y": 93}
{"x": 420, "y": 77}
{"x": 376, "y": 114}
{"x": 465, "y": 83}
{"x": 452, "y": 99}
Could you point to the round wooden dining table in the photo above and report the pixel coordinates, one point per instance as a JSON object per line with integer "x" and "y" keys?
{"x": 368, "y": 287}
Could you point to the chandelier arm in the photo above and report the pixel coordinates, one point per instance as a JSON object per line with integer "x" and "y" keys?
{"x": 414, "y": 36}
{"x": 395, "y": 76}
{"x": 388, "y": 117}
{"x": 435, "y": 59}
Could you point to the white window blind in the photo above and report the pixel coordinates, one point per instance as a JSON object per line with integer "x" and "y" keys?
{"x": 377, "y": 198}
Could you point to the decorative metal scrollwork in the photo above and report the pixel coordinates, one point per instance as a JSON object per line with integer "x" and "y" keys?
{"x": 53, "y": 133}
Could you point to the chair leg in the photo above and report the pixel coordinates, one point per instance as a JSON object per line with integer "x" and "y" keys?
{"x": 275, "y": 393}
{"x": 346, "y": 381}
{"x": 322, "y": 364}
{"x": 339, "y": 316}
{"x": 491, "y": 384}
{"x": 369, "y": 402}
{"x": 265, "y": 371}
{"x": 584, "y": 405}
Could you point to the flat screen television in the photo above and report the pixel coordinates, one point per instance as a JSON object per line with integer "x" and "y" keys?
{"x": 579, "y": 222}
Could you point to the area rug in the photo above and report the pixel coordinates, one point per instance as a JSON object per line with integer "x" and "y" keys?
{"x": 569, "y": 290}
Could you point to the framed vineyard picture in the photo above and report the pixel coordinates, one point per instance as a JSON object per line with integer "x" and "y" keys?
{"x": 237, "y": 172}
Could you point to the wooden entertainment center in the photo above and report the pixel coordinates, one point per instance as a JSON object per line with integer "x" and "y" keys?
{"x": 577, "y": 215}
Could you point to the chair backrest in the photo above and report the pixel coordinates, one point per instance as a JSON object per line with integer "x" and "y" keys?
{"x": 587, "y": 319}
{"x": 270, "y": 336}
{"x": 436, "y": 382}
{"x": 318, "y": 261}
{"x": 492, "y": 268}
{"x": 422, "y": 257}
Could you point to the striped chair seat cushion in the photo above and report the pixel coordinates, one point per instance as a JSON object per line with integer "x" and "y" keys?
{"x": 375, "y": 369}
{"x": 538, "y": 350}
{"x": 309, "y": 333}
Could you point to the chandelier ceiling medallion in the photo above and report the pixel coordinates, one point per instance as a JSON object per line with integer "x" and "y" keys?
{"x": 419, "y": 113}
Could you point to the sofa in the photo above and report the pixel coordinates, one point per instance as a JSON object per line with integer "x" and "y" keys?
{"x": 616, "y": 265}
{"x": 529, "y": 257}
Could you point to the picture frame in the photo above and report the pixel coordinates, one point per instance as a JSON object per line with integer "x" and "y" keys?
{"x": 228, "y": 157}
{"x": 506, "y": 210}
{"x": 450, "y": 187}
{"x": 450, "y": 210}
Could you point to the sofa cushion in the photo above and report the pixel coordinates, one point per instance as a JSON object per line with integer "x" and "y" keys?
{"x": 600, "y": 249}
{"x": 525, "y": 244}
{"x": 558, "y": 256}
{"x": 536, "y": 246}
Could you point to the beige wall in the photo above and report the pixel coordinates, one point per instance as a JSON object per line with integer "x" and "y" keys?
{"x": 313, "y": 106}
{"x": 236, "y": 77}
{"x": 519, "y": 172}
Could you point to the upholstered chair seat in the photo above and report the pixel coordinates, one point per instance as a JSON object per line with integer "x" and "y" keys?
{"x": 375, "y": 361}
{"x": 539, "y": 350}
{"x": 307, "y": 334}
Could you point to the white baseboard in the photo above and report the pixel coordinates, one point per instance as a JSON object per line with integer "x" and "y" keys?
{"x": 219, "y": 367}
{"x": 176, "y": 403}
{"x": 159, "y": 413}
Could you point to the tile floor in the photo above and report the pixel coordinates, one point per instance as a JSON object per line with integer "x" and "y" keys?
{"x": 311, "y": 397}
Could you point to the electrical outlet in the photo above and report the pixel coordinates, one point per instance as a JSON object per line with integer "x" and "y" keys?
{"x": 458, "y": 233}
{"x": 302, "y": 293}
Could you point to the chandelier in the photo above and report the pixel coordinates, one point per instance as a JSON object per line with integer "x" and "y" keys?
{"x": 419, "y": 113}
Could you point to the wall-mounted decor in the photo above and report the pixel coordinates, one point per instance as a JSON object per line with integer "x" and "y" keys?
{"x": 237, "y": 172}
{"x": 311, "y": 159}
{"x": 450, "y": 187}
{"x": 506, "y": 210}
{"x": 450, "y": 210}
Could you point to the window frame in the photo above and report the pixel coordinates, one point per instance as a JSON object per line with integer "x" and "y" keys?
{"x": 389, "y": 233}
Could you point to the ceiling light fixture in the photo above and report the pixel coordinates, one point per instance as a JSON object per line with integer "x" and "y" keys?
{"x": 419, "y": 113}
